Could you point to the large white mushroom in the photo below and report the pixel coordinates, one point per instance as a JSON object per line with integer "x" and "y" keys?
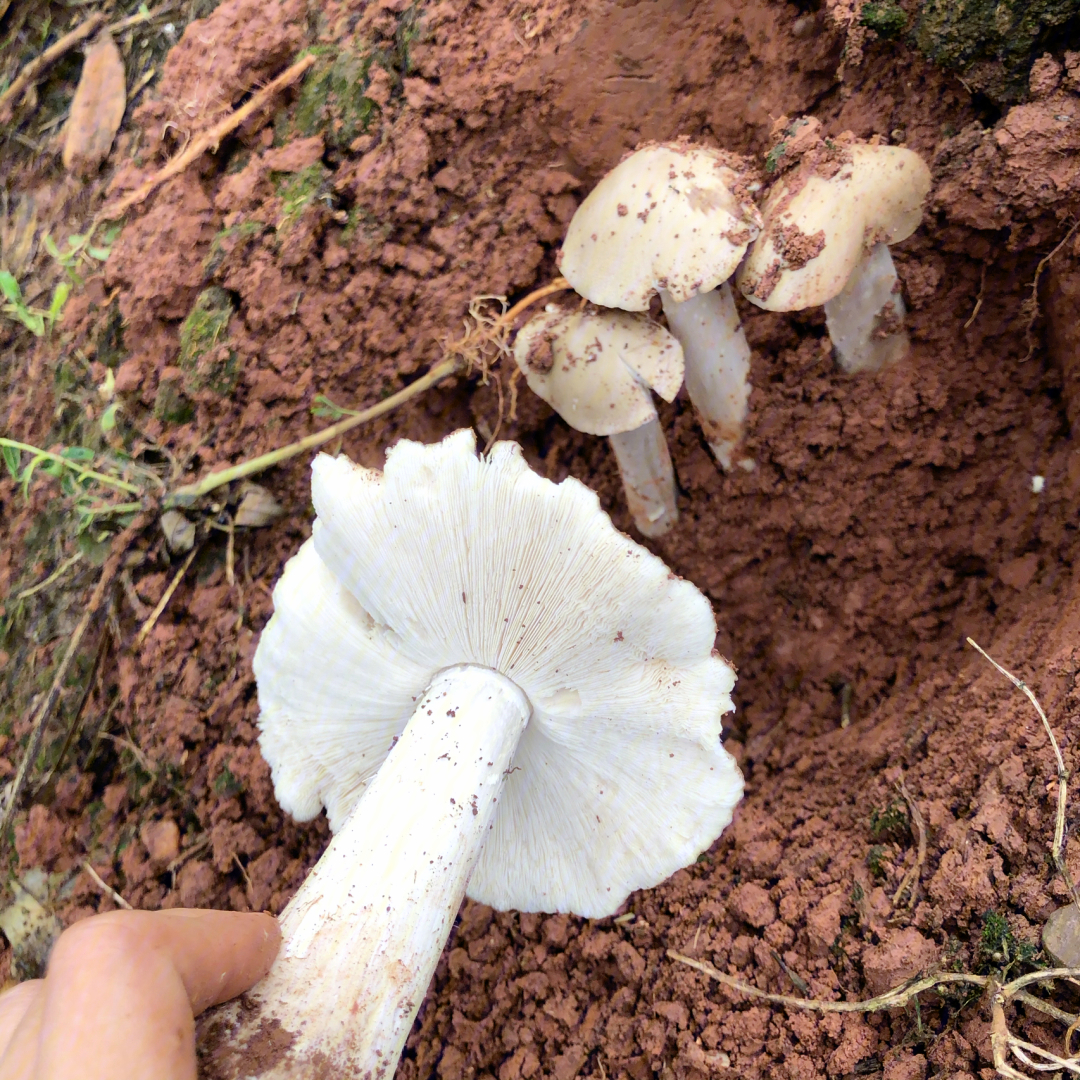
{"x": 828, "y": 224}
{"x": 493, "y": 693}
{"x": 595, "y": 369}
{"x": 674, "y": 220}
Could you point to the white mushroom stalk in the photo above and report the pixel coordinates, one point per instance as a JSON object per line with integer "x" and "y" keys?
{"x": 827, "y": 226}
{"x": 718, "y": 378}
{"x": 595, "y": 369}
{"x": 493, "y": 693}
{"x": 675, "y": 219}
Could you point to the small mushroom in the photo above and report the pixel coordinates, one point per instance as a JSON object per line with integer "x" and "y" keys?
{"x": 494, "y": 693}
{"x": 828, "y": 224}
{"x": 674, "y": 219}
{"x": 595, "y": 369}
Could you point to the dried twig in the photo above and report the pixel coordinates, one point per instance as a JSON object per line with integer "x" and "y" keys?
{"x": 41, "y": 717}
{"x": 136, "y": 752}
{"x": 249, "y": 888}
{"x": 460, "y": 355}
{"x": 978, "y": 300}
{"x": 32, "y": 71}
{"x": 1032, "y": 304}
{"x": 151, "y": 622}
{"x": 76, "y": 719}
{"x": 892, "y": 999}
{"x": 911, "y": 878}
{"x": 199, "y": 845}
{"x": 1062, "y": 774}
{"x": 1002, "y": 1041}
{"x": 108, "y": 890}
{"x": 899, "y": 996}
{"x": 138, "y": 19}
{"x": 59, "y": 572}
{"x": 207, "y": 140}
{"x": 186, "y": 496}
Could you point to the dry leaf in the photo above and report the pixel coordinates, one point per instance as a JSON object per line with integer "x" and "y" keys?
{"x": 97, "y": 108}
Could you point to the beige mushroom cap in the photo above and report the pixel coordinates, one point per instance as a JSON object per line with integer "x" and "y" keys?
{"x": 818, "y": 226}
{"x": 670, "y": 216}
{"x": 595, "y": 368}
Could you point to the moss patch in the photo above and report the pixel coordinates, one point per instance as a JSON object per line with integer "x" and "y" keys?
{"x": 298, "y": 191}
{"x": 886, "y": 19}
{"x": 992, "y": 43}
{"x": 333, "y": 99}
{"x": 207, "y": 361}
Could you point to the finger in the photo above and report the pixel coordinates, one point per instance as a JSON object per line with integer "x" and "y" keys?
{"x": 13, "y": 1006}
{"x": 218, "y": 954}
{"x": 20, "y": 1041}
{"x": 122, "y": 987}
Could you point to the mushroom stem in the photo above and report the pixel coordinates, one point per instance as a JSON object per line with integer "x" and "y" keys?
{"x": 365, "y": 931}
{"x": 647, "y": 476}
{"x": 866, "y": 318}
{"x": 717, "y": 359}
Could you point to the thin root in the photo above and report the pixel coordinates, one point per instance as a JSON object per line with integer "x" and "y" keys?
{"x": 1062, "y": 772}
{"x": 207, "y": 140}
{"x": 147, "y": 626}
{"x": 108, "y": 890}
{"x": 1032, "y": 303}
{"x": 39, "y": 65}
{"x": 911, "y": 878}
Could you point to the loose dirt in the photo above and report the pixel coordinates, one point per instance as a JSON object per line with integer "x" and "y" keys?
{"x": 888, "y": 516}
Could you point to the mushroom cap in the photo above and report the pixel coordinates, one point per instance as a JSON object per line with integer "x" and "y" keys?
{"x": 669, "y": 216}
{"x": 446, "y": 558}
{"x": 595, "y": 368}
{"x": 819, "y": 226}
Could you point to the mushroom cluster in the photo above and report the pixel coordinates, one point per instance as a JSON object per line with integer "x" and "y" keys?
{"x": 494, "y": 693}
{"x": 676, "y": 221}
{"x": 829, "y": 220}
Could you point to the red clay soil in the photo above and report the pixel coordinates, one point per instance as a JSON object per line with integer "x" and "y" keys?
{"x": 888, "y": 517}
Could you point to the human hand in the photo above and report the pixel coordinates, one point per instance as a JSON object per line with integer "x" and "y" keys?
{"x": 122, "y": 990}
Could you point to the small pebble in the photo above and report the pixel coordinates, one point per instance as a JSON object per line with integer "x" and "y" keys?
{"x": 1061, "y": 936}
{"x": 1037, "y": 484}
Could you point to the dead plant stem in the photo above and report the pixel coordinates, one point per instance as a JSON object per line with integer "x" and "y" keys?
{"x": 147, "y": 626}
{"x": 978, "y": 300}
{"x": 41, "y": 717}
{"x": 76, "y": 718}
{"x": 1033, "y": 315}
{"x": 899, "y": 996}
{"x": 137, "y": 19}
{"x": 33, "y": 70}
{"x": 911, "y": 878}
{"x": 108, "y": 890}
{"x": 893, "y": 999}
{"x": 59, "y": 572}
{"x": 207, "y": 140}
{"x": 185, "y": 496}
{"x": 1062, "y": 773}
{"x": 560, "y": 284}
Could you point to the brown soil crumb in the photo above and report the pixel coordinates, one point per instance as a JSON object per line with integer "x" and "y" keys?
{"x": 887, "y": 322}
{"x": 797, "y": 247}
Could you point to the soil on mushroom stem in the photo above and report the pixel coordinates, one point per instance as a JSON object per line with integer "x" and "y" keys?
{"x": 887, "y": 517}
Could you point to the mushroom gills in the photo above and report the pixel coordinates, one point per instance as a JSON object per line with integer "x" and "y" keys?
{"x": 717, "y": 359}
{"x": 648, "y": 477}
{"x": 866, "y": 318}
{"x": 366, "y": 929}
